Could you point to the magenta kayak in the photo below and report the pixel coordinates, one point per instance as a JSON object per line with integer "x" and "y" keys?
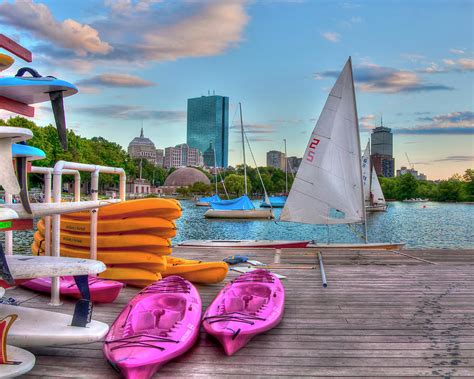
{"x": 102, "y": 290}
{"x": 249, "y": 305}
{"x": 160, "y": 323}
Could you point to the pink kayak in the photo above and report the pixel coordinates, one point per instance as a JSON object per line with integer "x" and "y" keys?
{"x": 249, "y": 305}
{"x": 159, "y": 324}
{"x": 101, "y": 290}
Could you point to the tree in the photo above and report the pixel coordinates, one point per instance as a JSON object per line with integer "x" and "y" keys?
{"x": 450, "y": 190}
{"x": 468, "y": 178}
{"x": 407, "y": 187}
{"x": 235, "y": 184}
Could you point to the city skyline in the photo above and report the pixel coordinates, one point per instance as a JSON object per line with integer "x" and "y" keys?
{"x": 422, "y": 86}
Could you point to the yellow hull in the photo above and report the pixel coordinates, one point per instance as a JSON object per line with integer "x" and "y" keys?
{"x": 108, "y": 241}
{"x": 137, "y": 277}
{"x": 140, "y": 225}
{"x": 196, "y": 271}
{"x": 164, "y": 208}
{"x": 5, "y": 61}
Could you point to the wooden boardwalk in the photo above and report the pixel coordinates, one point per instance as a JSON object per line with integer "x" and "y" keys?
{"x": 382, "y": 315}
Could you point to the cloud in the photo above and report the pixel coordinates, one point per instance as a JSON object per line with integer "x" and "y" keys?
{"x": 456, "y": 158}
{"x": 457, "y": 51}
{"x": 116, "y": 80}
{"x": 367, "y": 123}
{"x": 374, "y": 78}
{"x": 450, "y": 65}
{"x": 413, "y": 57}
{"x": 131, "y": 112}
{"x": 331, "y": 36}
{"x": 254, "y": 129}
{"x": 459, "y": 123}
{"x": 127, "y": 6}
{"x": 38, "y": 20}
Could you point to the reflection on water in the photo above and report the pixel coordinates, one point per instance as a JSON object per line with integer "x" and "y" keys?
{"x": 420, "y": 225}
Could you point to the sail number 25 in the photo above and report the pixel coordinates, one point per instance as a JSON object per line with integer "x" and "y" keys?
{"x": 312, "y": 149}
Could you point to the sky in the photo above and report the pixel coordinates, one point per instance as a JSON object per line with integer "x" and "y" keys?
{"x": 136, "y": 62}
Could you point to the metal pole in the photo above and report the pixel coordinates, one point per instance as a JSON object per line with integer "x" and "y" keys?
{"x": 243, "y": 147}
{"x": 47, "y": 219}
{"x": 94, "y": 214}
{"x": 55, "y": 241}
{"x": 9, "y": 234}
{"x": 286, "y": 170}
{"x": 323, "y": 273}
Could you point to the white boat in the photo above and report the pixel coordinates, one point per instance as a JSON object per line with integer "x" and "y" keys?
{"x": 328, "y": 188}
{"x": 24, "y": 362}
{"x": 31, "y": 267}
{"x": 416, "y": 200}
{"x": 38, "y": 328}
{"x": 245, "y": 244}
{"x": 242, "y": 207}
{"x": 240, "y": 214}
{"x": 373, "y": 194}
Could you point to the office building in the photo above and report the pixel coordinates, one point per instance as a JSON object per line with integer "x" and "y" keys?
{"x": 181, "y": 156}
{"x": 208, "y": 121}
{"x": 294, "y": 164}
{"x": 405, "y": 170}
{"x": 276, "y": 159}
{"x": 160, "y": 155}
{"x": 381, "y": 149}
{"x": 209, "y": 156}
{"x": 142, "y": 148}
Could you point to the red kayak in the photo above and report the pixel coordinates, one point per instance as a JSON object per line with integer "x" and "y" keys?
{"x": 159, "y": 324}
{"x": 249, "y": 305}
{"x": 102, "y": 290}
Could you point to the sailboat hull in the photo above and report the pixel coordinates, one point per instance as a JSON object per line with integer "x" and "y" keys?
{"x": 239, "y": 214}
{"x": 359, "y": 246}
{"x": 202, "y": 204}
{"x": 376, "y": 208}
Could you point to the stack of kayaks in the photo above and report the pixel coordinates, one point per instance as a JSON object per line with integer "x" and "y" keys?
{"x": 134, "y": 241}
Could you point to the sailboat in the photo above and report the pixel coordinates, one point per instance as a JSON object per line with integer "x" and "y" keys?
{"x": 241, "y": 207}
{"x": 373, "y": 195}
{"x": 278, "y": 201}
{"x": 328, "y": 187}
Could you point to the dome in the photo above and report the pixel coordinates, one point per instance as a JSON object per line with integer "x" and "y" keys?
{"x": 186, "y": 176}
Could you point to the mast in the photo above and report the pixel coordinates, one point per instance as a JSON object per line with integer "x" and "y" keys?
{"x": 243, "y": 147}
{"x": 370, "y": 179}
{"x": 215, "y": 166}
{"x": 359, "y": 154}
{"x": 286, "y": 170}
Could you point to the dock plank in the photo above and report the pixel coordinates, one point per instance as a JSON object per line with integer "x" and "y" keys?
{"x": 382, "y": 315}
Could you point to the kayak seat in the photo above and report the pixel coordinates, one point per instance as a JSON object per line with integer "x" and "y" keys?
{"x": 256, "y": 303}
{"x": 169, "y": 319}
{"x": 233, "y": 304}
{"x": 143, "y": 321}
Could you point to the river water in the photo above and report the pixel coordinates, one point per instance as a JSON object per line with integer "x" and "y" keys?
{"x": 420, "y": 225}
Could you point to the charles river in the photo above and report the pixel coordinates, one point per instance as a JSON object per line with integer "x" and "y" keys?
{"x": 420, "y": 225}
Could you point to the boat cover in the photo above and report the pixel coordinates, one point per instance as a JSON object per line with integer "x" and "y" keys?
{"x": 209, "y": 199}
{"x": 276, "y": 200}
{"x": 242, "y": 203}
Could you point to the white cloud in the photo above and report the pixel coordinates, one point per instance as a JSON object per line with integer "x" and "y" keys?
{"x": 38, "y": 19}
{"x": 116, "y": 80}
{"x": 332, "y": 36}
{"x": 457, "y": 51}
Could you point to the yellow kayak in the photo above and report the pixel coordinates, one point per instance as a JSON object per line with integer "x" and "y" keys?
{"x": 164, "y": 208}
{"x": 140, "y": 254}
{"x": 196, "y": 271}
{"x": 5, "y": 61}
{"x": 137, "y": 277}
{"x": 149, "y": 261}
{"x": 107, "y": 241}
{"x": 141, "y": 225}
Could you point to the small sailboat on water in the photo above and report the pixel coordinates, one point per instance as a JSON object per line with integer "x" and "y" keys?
{"x": 206, "y": 201}
{"x": 328, "y": 187}
{"x": 373, "y": 194}
{"x": 241, "y": 207}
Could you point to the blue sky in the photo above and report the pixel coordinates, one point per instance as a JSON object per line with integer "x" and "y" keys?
{"x": 138, "y": 61}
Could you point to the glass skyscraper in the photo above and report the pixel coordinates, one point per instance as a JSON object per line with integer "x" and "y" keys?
{"x": 208, "y": 122}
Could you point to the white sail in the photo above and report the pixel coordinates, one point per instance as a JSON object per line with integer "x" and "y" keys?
{"x": 328, "y": 186}
{"x": 366, "y": 173}
{"x": 377, "y": 195}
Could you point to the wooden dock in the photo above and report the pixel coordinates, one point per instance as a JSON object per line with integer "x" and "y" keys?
{"x": 382, "y": 315}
